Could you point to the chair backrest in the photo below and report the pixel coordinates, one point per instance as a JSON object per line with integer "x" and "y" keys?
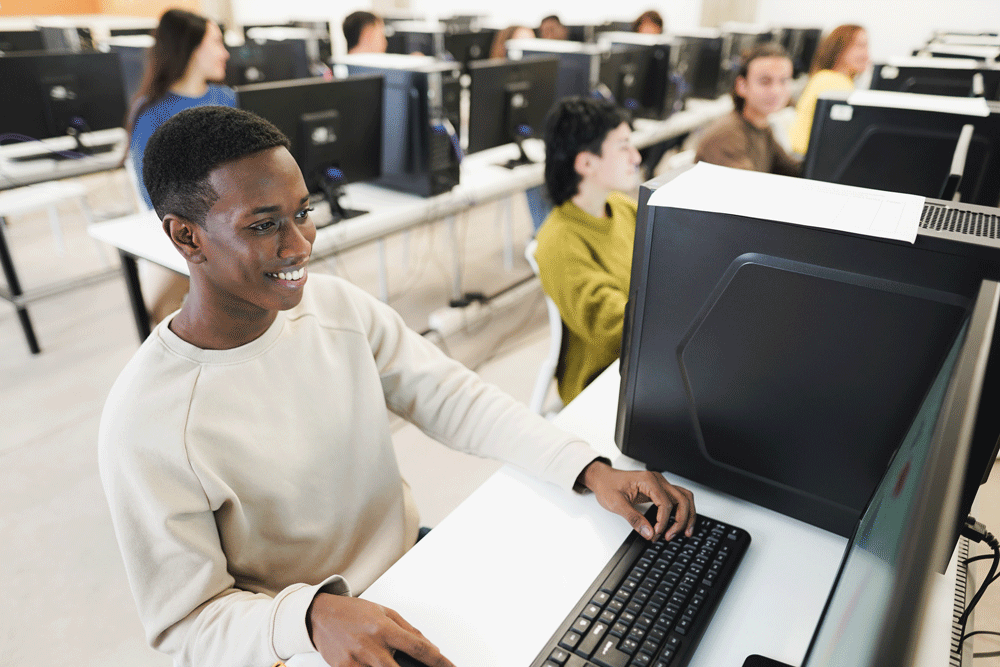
{"x": 547, "y": 371}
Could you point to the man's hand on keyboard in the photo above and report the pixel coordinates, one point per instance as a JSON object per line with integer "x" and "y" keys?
{"x": 619, "y": 491}
{"x": 350, "y": 632}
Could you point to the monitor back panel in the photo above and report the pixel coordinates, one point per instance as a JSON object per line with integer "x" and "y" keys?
{"x": 935, "y": 80}
{"x": 902, "y": 150}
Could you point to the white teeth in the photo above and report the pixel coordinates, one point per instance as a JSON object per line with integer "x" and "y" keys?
{"x": 290, "y": 275}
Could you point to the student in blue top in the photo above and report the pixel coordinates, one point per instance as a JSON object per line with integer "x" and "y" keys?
{"x": 186, "y": 59}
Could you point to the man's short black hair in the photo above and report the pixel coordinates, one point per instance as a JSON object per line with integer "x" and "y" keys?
{"x": 184, "y": 150}
{"x": 575, "y": 125}
{"x": 355, "y": 24}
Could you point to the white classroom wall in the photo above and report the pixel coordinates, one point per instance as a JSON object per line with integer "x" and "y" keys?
{"x": 895, "y": 27}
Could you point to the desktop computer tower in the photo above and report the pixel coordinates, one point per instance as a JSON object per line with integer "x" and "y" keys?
{"x": 784, "y": 362}
{"x": 665, "y": 86}
{"x": 420, "y": 149}
{"x": 700, "y": 62}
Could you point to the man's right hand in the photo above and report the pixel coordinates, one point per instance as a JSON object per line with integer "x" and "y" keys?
{"x": 350, "y": 632}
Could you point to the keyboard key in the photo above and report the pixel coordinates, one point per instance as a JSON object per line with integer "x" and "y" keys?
{"x": 591, "y": 611}
{"x": 601, "y": 598}
{"x": 609, "y": 655}
{"x": 570, "y": 640}
{"x": 619, "y": 629}
{"x": 629, "y": 646}
{"x": 581, "y": 625}
{"x": 683, "y": 625}
{"x": 558, "y": 656}
{"x": 593, "y": 639}
{"x": 664, "y": 659}
{"x": 641, "y": 660}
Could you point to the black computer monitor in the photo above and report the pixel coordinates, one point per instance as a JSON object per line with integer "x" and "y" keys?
{"x": 664, "y": 89}
{"x": 874, "y": 612}
{"x": 131, "y": 32}
{"x": 801, "y": 44}
{"x": 408, "y": 37}
{"x": 509, "y": 100}
{"x": 782, "y": 363}
{"x": 937, "y": 76}
{"x": 12, "y": 41}
{"x": 879, "y": 141}
{"x": 467, "y": 46}
{"x": 335, "y": 128}
{"x": 259, "y": 61}
{"x": 625, "y": 72}
{"x": 701, "y": 57}
{"x": 60, "y": 93}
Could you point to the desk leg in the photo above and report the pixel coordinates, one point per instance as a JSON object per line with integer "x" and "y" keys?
{"x": 130, "y": 269}
{"x": 456, "y": 260}
{"x": 383, "y": 275}
{"x": 15, "y": 289}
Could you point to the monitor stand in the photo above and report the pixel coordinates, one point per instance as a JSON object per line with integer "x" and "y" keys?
{"x": 521, "y": 159}
{"x": 333, "y": 192}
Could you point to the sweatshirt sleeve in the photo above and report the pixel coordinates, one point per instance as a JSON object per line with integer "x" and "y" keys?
{"x": 456, "y": 407}
{"x": 724, "y": 146}
{"x": 170, "y": 544}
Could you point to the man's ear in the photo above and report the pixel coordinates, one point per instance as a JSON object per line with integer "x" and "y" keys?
{"x": 740, "y": 86}
{"x": 186, "y": 237}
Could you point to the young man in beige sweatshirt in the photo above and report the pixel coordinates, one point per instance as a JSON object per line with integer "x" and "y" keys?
{"x": 246, "y": 451}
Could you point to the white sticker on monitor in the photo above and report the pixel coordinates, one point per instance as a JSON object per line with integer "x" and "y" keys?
{"x": 842, "y": 112}
{"x": 889, "y": 72}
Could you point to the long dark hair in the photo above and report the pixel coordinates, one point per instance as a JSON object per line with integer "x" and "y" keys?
{"x": 177, "y": 35}
{"x": 832, "y": 46}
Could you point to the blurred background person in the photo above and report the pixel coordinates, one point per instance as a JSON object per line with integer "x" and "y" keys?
{"x": 365, "y": 33}
{"x": 499, "y": 47}
{"x": 552, "y": 28}
{"x": 649, "y": 22}
{"x": 839, "y": 59}
{"x": 743, "y": 138}
{"x": 184, "y": 69}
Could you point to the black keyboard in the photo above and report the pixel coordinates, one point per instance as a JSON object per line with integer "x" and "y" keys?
{"x": 651, "y": 603}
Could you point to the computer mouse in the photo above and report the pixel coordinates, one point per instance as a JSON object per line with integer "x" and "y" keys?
{"x": 404, "y": 660}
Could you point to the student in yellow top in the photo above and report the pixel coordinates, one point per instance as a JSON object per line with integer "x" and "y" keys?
{"x": 584, "y": 249}
{"x": 840, "y": 58}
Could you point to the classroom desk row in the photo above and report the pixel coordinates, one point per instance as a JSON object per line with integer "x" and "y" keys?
{"x": 390, "y": 212}
{"x": 491, "y": 582}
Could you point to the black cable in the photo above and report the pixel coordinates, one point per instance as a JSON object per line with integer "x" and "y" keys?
{"x": 977, "y": 532}
{"x": 993, "y": 633}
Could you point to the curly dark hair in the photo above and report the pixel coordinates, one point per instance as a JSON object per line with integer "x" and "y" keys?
{"x": 573, "y": 126}
{"x": 184, "y": 150}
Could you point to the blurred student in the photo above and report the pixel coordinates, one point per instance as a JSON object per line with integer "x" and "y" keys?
{"x": 584, "y": 249}
{"x": 499, "y": 47}
{"x": 743, "y": 138}
{"x": 552, "y": 28}
{"x": 840, "y": 58}
{"x": 649, "y": 22}
{"x": 365, "y": 33}
{"x": 183, "y": 70}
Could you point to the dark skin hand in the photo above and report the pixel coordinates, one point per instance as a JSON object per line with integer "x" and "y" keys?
{"x": 351, "y": 632}
{"x": 619, "y": 491}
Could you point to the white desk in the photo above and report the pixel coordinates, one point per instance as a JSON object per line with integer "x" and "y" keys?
{"x": 390, "y": 212}
{"x": 14, "y": 174}
{"x": 464, "y": 584}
